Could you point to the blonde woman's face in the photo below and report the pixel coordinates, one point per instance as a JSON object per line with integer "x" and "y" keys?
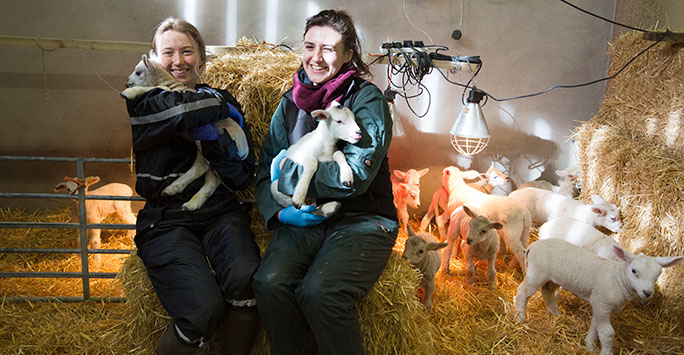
{"x": 323, "y": 55}
{"x": 179, "y": 54}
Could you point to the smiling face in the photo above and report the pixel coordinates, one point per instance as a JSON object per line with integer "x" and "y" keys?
{"x": 179, "y": 55}
{"x": 324, "y": 53}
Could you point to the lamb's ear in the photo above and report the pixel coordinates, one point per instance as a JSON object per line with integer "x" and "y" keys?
{"x": 598, "y": 211}
{"x": 399, "y": 174}
{"x": 334, "y": 103}
{"x": 146, "y": 61}
{"x": 669, "y": 261}
{"x": 320, "y": 114}
{"x": 623, "y": 254}
{"x": 596, "y": 199}
{"x": 436, "y": 246}
{"x": 468, "y": 211}
{"x": 423, "y": 172}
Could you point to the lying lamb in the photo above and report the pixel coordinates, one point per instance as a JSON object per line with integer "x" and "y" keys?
{"x": 422, "y": 250}
{"x": 148, "y": 75}
{"x": 477, "y": 234}
{"x": 568, "y": 187}
{"x": 545, "y": 205}
{"x": 606, "y": 284}
{"x": 320, "y": 145}
{"x": 98, "y": 210}
{"x": 514, "y": 217}
{"x": 579, "y": 233}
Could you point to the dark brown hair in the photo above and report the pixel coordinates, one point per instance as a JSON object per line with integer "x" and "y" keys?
{"x": 342, "y": 22}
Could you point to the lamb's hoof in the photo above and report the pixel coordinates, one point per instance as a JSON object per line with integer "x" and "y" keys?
{"x": 297, "y": 205}
{"x": 347, "y": 183}
{"x": 189, "y": 207}
{"x": 330, "y": 208}
{"x": 170, "y": 191}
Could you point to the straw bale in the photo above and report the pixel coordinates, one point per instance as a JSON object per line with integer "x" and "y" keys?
{"x": 631, "y": 153}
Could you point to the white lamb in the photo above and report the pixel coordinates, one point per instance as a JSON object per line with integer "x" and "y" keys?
{"x": 406, "y": 192}
{"x": 477, "y": 234}
{"x": 581, "y": 234}
{"x": 320, "y": 145}
{"x": 514, "y": 217}
{"x": 545, "y": 205}
{"x": 606, "y": 284}
{"x": 98, "y": 210}
{"x": 569, "y": 185}
{"x": 422, "y": 251}
{"x": 148, "y": 75}
{"x": 491, "y": 182}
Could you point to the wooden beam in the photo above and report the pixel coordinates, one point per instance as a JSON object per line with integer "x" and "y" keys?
{"x": 675, "y": 37}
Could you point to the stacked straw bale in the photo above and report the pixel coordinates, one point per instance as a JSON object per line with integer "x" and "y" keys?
{"x": 631, "y": 153}
{"x": 393, "y": 321}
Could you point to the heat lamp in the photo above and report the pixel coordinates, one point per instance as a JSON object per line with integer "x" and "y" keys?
{"x": 469, "y": 134}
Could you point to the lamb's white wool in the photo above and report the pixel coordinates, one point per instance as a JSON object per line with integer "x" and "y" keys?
{"x": 545, "y": 205}
{"x": 514, "y": 217}
{"x": 149, "y": 74}
{"x": 579, "y": 233}
{"x": 422, "y": 250}
{"x": 406, "y": 192}
{"x": 320, "y": 145}
{"x": 477, "y": 234}
{"x": 569, "y": 186}
{"x": 98, "y": 210}
{"x": 606, "y": 284}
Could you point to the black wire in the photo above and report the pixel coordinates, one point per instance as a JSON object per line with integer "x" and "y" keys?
{"x": 577, "y": 85}
{"x": 603, "y": 18}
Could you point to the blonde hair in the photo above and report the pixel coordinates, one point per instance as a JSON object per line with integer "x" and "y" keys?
{"x": 179, "y": 25}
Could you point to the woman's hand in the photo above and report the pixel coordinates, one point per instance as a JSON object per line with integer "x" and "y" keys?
{"x": 300, "y": 217}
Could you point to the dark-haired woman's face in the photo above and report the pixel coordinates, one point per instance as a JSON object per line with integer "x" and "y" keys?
{"x": 323, "y": 55}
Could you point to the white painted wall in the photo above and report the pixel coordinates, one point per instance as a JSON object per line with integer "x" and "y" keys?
{"x": 60, "y": 102}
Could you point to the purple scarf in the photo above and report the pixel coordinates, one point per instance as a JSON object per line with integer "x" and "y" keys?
{"x": 310, "y": 97}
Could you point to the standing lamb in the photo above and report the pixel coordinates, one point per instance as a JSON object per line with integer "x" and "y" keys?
{"x": 320, "y": 145}
{"x": 514, "y": 217}
{"x": 545, "y": 205}
{"x": 406, "y": 193}
{"x": 422, "y": 251}
{"x": 477, "y": 234}
{"x": 98, "y": 210}
{"x": 606, "y": 284}
{"x": 149, "y": 74}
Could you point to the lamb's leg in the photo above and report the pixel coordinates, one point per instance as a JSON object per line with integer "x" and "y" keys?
{"x": 425, "y": 222}
{"x": 327, "y": 209}
{"x": 549, "y": 293}
{"x": 514, "y": 244}
{"x": 233, "y": 129}
{"x": 94, "y": 242}
{"x": 470, "y": 267}
{"x": 452, "y": 239}
{"x": 441, "y": 220}
{"x": 429, "y": 292}
{"x": 309, "y": 167}
{"x": 123, "y": 210}
{"x": 199, "y": 168}
{"x": 491, "y": 271}
{"x": 281, "y": 198}
{"x": 211, "y": 182}
{"x": 526, "y": 289}
{"x": 402, "y": 213}
{"x": 346, "y": 174}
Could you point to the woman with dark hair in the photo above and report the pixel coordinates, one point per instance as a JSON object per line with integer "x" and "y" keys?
{"x": 200, "y": 262}
{"x": 315, "y": 269}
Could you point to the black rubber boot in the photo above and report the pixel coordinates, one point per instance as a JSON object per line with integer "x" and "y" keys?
{"x": 170, "y": 344}
{"x": 238, "y": 332}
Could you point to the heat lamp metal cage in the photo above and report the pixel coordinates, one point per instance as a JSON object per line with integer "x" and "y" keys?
{"x": 468, "y": 145}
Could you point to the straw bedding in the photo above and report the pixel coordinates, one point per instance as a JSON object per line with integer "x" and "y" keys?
{"x": 465, "y": 319}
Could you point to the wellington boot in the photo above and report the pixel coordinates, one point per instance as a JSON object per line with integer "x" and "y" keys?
{"x": 169, "y": 344}
{"x": 238, "y": 332}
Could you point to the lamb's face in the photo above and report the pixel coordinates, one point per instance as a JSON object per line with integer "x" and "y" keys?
{"x": 148, "y": 72}
{"x": 415, "y": 250}
{"x": 643, "y": 273}
{"x": 140, "y": 76}
{"x": 343, "y": 124}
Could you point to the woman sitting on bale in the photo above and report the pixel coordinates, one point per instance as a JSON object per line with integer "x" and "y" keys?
{"x": 315, "y": 268}
{"x": 200, "y": 262}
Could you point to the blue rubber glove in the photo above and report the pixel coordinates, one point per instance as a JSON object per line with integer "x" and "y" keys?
{"x": 207, "y": 132}
{"x": 235, "y": 114}
{"x": 275, "y": 165}
{"x": 300, "y": 217}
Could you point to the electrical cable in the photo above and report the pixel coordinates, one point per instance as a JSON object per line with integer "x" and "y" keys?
{"x": 602, "y": 18}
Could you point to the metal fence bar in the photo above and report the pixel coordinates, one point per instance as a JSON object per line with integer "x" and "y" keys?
{"x": 82, "y": 226}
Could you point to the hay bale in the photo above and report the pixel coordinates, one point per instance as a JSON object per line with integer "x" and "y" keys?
{"x": 631, "y": 154}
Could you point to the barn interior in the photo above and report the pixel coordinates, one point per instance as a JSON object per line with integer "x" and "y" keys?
{"x": 594, "y": 86}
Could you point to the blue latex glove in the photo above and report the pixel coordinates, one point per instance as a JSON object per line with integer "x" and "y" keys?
{"x": 207, "y": 132}
{"x": 275, "y": 165}
{"x": 300, "y": 217}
